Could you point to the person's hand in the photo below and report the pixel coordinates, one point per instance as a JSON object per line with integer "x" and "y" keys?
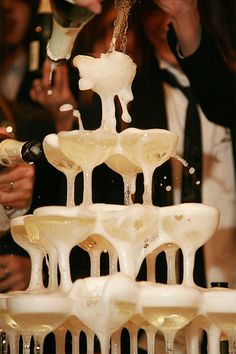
{"x": 186, "y": 21}
{"x": 16, "y": 186}
{"x": 52, "y": 98}
{"x": 177, "y": 8}
{"x": 15, "y": 272}
{"x": 92, "y": 5}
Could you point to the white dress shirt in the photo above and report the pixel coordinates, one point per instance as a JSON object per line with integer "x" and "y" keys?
{"x": 218, "y": 181}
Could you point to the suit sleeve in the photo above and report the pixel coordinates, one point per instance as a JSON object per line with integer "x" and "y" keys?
{"x": 212, "y": 81}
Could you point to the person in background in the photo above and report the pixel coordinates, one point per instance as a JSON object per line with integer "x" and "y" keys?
{"x": 22, "y": 187}
{"x": 16, "y": 186}
{"x": 202, "y": 37}
{"x": 217, "y": 189}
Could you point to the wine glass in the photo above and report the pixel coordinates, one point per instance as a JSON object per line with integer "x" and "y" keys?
{"x": 109, "y": 76}
{"x": 75, "y": 326}
{"x": 149, "y": 329}
{"x": 36, "y": 251}
{"x": 170, "y": 250}
{"x": 8, "y": 334}
{"x": 104, "y": 304}
{"x": 56, "y": 158}
{"x": 220, "y": 309}
{"x": 37, "y": 315}
{"x": 128, "y": 229}
{"x": 168, "y": 308}
{"x": 96, "y": 244}
{"x": 193, "y": 335}
{"x": 119, "y": 163}
{"x": 64, "y": 228}
{"x": 88, "y": 149}
{"x": 148, "y": 149}
{"x": 189, "y": 225}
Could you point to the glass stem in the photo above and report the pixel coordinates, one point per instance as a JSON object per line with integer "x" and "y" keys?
{"x": 151, "y": 341}
{"x": 232, "y": 343}
{"x": 147, "y": 195}
{"x": 127, "y": 190}
{"x": 70, "y": 180}
{"x": 3, "y": 342}
{"x": 87, "y": 197}
{"x": 26, "y": 343}
{"x": 170, "y": 253}
{"x": 169, "y": 339}
{"x": 38, "y": 346}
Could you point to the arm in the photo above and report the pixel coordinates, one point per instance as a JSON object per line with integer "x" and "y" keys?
{"x": 213, "y": 82}
{"x": 185, "y": 18}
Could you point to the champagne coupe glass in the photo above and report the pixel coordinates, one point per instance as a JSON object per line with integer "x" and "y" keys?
{"x": 189, "y": 225}
{"x": 9, "y": 334}
{"x": 37, "y": 315}
{"x": 110, "y": 75}
{"x": 193, "y": 334}
{"x": 104, "y": 304}
{"x": 75, "y": 326}
{"x": 148, "y": 149}
{"x": 96, "y": 244}
{"x": 88, "y": 149}
{"x": 119, "y": 163}
{"x": 128, "y": 229}
{"x": 170, "y": 250}
{"x": 64, "y": 228}
{"x": 220, "y": 309}
{"x": 36, "y": 251}
{"x": 168, "y": 308}
{"x": 149, "y": 329}
{"x": 56, "y": 158}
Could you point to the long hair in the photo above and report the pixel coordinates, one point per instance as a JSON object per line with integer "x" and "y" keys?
{"x": 219, "y": 18}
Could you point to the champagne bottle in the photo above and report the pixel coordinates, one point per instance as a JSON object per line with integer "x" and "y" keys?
{"x": 13, "y": 151}
{"x": 224, "y": 343}
{"x": 68, "y": 21}
{"x": 40, "y": 36}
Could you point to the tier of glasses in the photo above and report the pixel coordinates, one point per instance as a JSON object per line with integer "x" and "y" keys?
{"x": 103, "y": 306}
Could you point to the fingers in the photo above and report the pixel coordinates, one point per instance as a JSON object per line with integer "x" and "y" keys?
{"x": 57, "y": 94}
{"x": 92, "y": 5}
{"x": 17, "y": 172}
{"x": 16, "y": 186}
{"x": 15, "y": 273}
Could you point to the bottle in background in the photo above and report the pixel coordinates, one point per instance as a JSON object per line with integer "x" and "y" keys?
{"x": 40, "y": 36}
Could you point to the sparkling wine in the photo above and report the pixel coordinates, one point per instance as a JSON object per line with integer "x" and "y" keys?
{"x": 169, "y": 317}
{"x": 68, "y": 20}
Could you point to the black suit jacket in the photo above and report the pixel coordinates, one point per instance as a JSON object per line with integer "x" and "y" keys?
{"x": 213, "y": 83}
